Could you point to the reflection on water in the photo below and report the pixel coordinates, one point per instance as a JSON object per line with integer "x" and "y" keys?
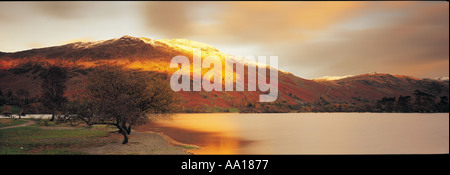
{"x": 213, "y": 136}
{"x": 309, "y": 133}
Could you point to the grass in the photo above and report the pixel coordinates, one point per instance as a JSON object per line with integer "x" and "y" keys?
{"x": 15, "y": 109}
{"x": 233, "y": 110}
{"x": 35, "y": 140}
{"x": 4, "y": 122}
{"x": 217, "y": 109}
{"x": 189, "y": 147}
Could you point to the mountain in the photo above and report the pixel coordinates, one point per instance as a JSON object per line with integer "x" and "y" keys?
{"x": 20, "y": 70}
{"x": 442, "y": 78}
{"x": 376, "y": 86}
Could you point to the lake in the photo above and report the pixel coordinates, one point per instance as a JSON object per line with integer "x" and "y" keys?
{"x": 308, "y": 133}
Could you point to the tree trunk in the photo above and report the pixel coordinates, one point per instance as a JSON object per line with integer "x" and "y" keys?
{"x": 118, "y": 126}
{"x": 129, "y": 130}
{"x": 125, "y": 137}
{"x": 124, "y": 133}
{"x": 53, "y": 117}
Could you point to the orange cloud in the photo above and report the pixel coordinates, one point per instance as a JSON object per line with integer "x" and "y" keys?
{"x": 297, "y": 15}
{"x": 247, "y": 21}
{"x": 413, "y": 43}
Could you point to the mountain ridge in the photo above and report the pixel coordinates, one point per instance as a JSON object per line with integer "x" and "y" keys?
{"x": 154, "y": 56}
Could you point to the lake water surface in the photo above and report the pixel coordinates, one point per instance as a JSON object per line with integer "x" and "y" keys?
{"x": 309, "y": 133}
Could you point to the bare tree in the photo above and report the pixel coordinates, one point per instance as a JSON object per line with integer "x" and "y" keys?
{"x": 53, "y": 87}
{"x": 6, "y": 111}
{"x": 123, "y": 98}
{"x": 23, "y": 101}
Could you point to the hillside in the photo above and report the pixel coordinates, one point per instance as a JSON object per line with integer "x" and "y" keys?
{"x": 20, "y": 70}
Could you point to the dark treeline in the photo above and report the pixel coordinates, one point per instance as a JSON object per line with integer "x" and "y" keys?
{"x": 19, "y": 102}
{"x": 53, "y": 86}
{"x": 420, "y": 102}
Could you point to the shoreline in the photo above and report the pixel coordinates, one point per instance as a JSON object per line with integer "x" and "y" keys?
{"x": 170, "y": 141}
{"x": 141, "y": 143}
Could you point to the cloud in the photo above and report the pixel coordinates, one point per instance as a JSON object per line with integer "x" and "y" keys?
{"x": 284, "y": 21}
{"x": 312, "y": 39}
{"x": 74, "y": 10}
{"x": 168, "y": 18}
{"x": 417, "y": 39}
{"x": 249, "y": 22}
{"x": 316, "y": 39}
{"x": 63, "y": 10}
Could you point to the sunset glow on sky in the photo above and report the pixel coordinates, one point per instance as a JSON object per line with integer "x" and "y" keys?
{"x": 311, "y": 39}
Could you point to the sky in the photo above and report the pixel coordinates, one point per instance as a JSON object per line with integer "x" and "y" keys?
{"x": 311, "y": 39}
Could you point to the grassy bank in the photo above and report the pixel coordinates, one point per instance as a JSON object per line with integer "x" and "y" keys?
{"x": 50, "y": 139}
{"x": 10, "y": 122}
